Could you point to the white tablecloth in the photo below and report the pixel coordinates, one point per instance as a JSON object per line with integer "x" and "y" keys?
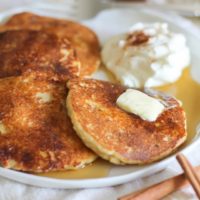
{"x": 10, "y": 190}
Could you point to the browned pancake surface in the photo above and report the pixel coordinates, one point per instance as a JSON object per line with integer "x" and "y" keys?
{"x": 119, "y": 136}
{"x": 23, "y": 50}
{"x": 36, "y": 135}
{"x": 82, "y": 39}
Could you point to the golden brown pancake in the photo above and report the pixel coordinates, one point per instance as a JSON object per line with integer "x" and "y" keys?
{"x": 116, "y": 135}
{"x": 36, "y": 135}
{"x": 82, "y": 38}
{"x": 22, "y": 50}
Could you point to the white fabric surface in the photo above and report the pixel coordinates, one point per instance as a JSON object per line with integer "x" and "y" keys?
{"x": 10, "y": 190}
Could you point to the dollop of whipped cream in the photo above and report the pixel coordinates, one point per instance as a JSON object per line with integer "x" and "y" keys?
{"x": 148, "y": 55}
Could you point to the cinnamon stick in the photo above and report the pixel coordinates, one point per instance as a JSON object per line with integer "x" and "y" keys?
{"x": 194, "y": 172}
{"x": 190, "y": 173}
{"x": 160, "y": 190}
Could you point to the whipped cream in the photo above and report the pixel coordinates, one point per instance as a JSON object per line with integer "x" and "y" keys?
{"x": 148, "y": 55}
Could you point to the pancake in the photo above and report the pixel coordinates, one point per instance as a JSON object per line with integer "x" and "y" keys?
{"x": 82, "y": 38}
{"x": 36, "y": 135}
{"x": 118, "y": 136}
{"x": 23, "y": 50}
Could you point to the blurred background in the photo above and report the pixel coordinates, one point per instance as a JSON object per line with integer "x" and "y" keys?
{"x": 84, "y": 9}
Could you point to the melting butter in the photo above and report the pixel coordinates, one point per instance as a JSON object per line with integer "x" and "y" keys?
{"x": 139, "y": 103}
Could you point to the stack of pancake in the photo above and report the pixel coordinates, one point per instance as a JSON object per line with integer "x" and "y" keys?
{"x": 38, "y": 55}
{"x": 40, "y": 132}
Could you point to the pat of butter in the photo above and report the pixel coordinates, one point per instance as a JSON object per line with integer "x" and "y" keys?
{"x": 138, "y": 103}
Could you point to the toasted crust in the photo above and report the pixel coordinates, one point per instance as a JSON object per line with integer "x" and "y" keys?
{"x": 23, "y": 50}
{"x": 116, "y": 135}
{"x": 82, "y": 38}
{"x": 36, "y": 135}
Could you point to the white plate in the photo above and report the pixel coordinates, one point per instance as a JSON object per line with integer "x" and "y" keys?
{"x": 105, "y": 24}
